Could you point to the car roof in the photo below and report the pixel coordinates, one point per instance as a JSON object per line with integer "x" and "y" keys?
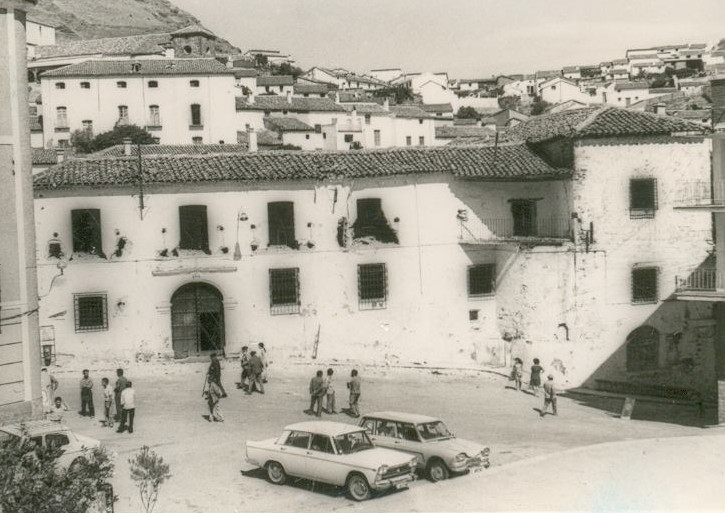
{"x": 324, "y": 427}
{"x": 34, "y": 427}
{"x": 402, "y": 417}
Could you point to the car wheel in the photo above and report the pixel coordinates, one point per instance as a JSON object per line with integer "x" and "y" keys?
{"x": 437, "y": 470}
{"x": 358, "y": 487}
{"x": 276, "y": 473}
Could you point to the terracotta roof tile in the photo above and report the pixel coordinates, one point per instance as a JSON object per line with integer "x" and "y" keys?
{"x": 287, "y": 125}
{"x": 452, "y": 132}
{"x": 172, "y": 149}
{"x": 409, "y": 111}
{"x": 193, "y": 30}
{"x": 275, "y": 80}
{"x": 311, "y": 88}
{"x": 146, "y": 67}
{"x": 43, "y": 157}
{"x": 438, "y": 107}
{"x": 297, "y": 104}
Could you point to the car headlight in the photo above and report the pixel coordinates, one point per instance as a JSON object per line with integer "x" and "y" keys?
{"x": 460, "y": 458}
{"x": 382, "y": 470}
{"x": 418, "y": 460}
{"x": 486, "y": 451}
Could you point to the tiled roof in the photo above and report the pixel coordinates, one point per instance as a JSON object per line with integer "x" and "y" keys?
{"x": 365, "y": 80}
{"x": 99, "y": 68}
{"x": 623, "y": 86}
{"x": 193, "y": 30}
{"x": 287, "y": 125}
{"x": 43, "y": 157}
{"x": 465, "y": 122}
{"x": 438, "y": 107}
{"x": 645, "y": 57}
{"x": 507, "y": 162}
{"x": 408, "y": 111}
{"x": 373, "y": 109}
{"x": 452, "y": 132}
{"x": 244, "y": 72}
{"x": 597, "y": 122}
{"x": 619, "y": 61}
{"x": 128, "y": 45}
{"x": 297, "y": 104}
{"x": 275, "y": 80}
{"x": 42, "y": 18}
{"x": 663, "y": 90}
{"x": 698, "y": 46}
{"x": 311, "y": 89}
{"x": 265, "y": 138}
{"x": 172, "y": 149}
{"x": 696, "y": 115}
{"x": 620, "y": 70}
{"x": 570, "y": 69}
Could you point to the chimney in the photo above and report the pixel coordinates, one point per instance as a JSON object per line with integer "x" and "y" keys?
{"x": 252, "y": 137}
{"x": 717, "y": 94}
{"x": 337, "y": 97}
{"x": 60, "y": 155}
{"x": 661, "y": 109}
{"x": 230, "y": 61}
{"x": 289, "y": 97}
{"x": 127, "y": 147}
{"x": 386, "y": 104}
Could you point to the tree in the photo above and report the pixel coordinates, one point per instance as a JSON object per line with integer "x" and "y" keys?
{"x": 400, "y": 93}
{"x": 286, "y": 69}
{"x": 83, "y": 142}
{"x": 31, "y": 482}
{"x": 149, "y": 472}
{"x": 467, "y": 113}
{"x": 539, "y": 106}
{"x": 510, "y": 102}
{"x": 261, "y": 61}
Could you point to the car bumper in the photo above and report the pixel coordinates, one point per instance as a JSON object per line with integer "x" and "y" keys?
{"x": 474, "y": 464}
{"x": 393, "y": 482}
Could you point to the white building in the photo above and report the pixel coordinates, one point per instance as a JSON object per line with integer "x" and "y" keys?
{"x": 275, "y": 57}
{"x": 560, "y": 90}
{"x": 386, "y": 74}
{"x": 275, "y": 84}
{"x": 38, "y": 32}
{"x": 179, "y": 101}
{"x": 624, "y": 94}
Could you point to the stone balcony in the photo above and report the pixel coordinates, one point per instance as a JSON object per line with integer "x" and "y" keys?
{"x": 701, "y": 285}
{"x": 701, "y": 194}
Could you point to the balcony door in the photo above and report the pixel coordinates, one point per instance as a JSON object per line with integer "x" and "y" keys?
{"x": 524, "y": 214}
{"x": 197, "y": 320}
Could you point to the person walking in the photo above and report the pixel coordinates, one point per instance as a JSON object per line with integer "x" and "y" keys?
{"x": 215, "y": 373}
{"x": 255, "y": 373}
{"x": 117, "y": 389}
{"x": 128, "y": 403}
{"x": 549, "y": 396}
{"x": 107, "y": 402}
{"x": 354, "y": 386}
{"x": 48, "y": 386}
{"x": 317, "y": 392}
{"x": 245, "y": 368}
{"x": 56, "y": 411}
{"x": 535, "y": 379}
{"x": 265, "y": 363}
{"x": 330, "y": 391}
{"x": 87, "y": 395}
{"x": 517, "y": 372}
{"x": 213, "y": 395}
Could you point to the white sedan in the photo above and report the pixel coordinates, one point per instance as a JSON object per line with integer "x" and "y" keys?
{"x": 334, "y": 453}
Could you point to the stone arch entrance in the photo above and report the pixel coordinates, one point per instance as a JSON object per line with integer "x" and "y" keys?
{"x": 197, "y": 320}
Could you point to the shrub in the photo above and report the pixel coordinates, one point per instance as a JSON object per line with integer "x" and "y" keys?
{"x": 149, "y": 472}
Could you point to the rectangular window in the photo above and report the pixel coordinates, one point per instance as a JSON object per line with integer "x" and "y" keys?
{"x": 372, "y": 286}
{"x": 348, "y": 138}
{"x": 91, "y": 313}
{"x": 193, "y": 83}
{"x": 196, "y": 114}
{"x": 123, "y": 115}
{"x": 367, "y": 119}
{"x": 284, "y": 291}
{"x": 153, "y": 84}
{"x": 197, "y": 140}
{"x": 421, "y": 141}
{"x": 121, "y": 84}
{"x": 318, "y": 129}
{"x": 85, "y": 85}
{"x": 193, "y": 228}
{"x": 61, "y": 120}
{"x": 87, "y": 126}
{"x": 281, "y": 218}
{"x": 524, "y": 214}
{"x": 60, "y": 85}
{"x": 642, "y": 198}
{"x": 154, "y": 115}
{"x": 86, "y": 226}
{"x": 644, "y": 285}
{"x": 376, "y": 136}
{"x": 408, "y": 140}
{"x": 481, "y": 280}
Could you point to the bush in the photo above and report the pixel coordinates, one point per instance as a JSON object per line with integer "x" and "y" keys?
{"x": 84, "y": 142}
{"x": 539, "y": 106}
{"x": 149, "y": 472}
{"x": 467, "y": 113}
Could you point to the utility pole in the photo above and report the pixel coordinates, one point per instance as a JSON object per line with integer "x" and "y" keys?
{"x": 140, "y": 179}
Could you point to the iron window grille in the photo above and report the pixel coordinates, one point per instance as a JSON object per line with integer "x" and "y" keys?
{"x": 87, "y": 235}
{"x": 481, "y": 280}
{"x": 642, "y": 198}
{"x": 153, "y": 83}
{"x": 193, "y": 228}
{"x": 193, "y": 83}
{"x": 644, "y": 285}
{"x": 91, "y": 312}
{"x": 284, "y": 291}
{"x": 643, "y": 349}
{"x": 281, "y": 223}
{"x": 372, "y": 281}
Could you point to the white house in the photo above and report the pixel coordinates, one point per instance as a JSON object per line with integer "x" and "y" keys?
{"x": 38, "y": 32}
{"x": 293, "y": 132}
{"x": 626, "y": 93}
{"x": 179, "y": 101}
{"x": 273, "y": 56}
{"x": 571, "y": 72}
{"x": 560, "y": 90}
{"x": 275, "y": 84}
{"x": 386, "y": 74}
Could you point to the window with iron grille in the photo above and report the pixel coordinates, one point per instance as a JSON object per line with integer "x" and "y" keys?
{"x": 121, "y": 84}
{"x": 642, "y": 198}
{"x": 372, "y": 286}
{"x": 481, "y": 280}
{"x": 281, "y": 223}
{"x": 376, "y": 136}
{"x": 91, "y": 312}
{"x": 644, "y": 285}
{"x": 193, "y": 228}
{"x": 371, "y": 221}
{"x": 348, "y": 138}
{"x": 193, "y": 83}
{"x": 284, "y": 291}
{"x": 196, "y": 114}
{"x": 87, "y": 235}
{"x": 643, "y": 349}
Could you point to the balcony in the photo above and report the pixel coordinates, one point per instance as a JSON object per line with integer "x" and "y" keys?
{"x": 540, "y": 231}
{"x": 702, "y": 285}
{"x": 701, "y": 195}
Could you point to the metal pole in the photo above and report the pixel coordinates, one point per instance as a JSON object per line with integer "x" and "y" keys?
{"x": 140, "y": 180}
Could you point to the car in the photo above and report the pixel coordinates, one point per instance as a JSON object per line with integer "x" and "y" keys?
{"x": 335, "y": 453}
{"x": 439, "y": 453}
{"x": 46, "y": 433}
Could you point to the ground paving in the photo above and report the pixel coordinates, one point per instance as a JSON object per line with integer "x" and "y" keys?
{"x": 206, "y": 458}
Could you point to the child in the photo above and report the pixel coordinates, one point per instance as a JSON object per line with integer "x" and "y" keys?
{"x": 354, "y": 386}
{"x": 245, "y": 368}
{"x": 330, "y": 390}
{"x": 108, "y": 396}
{"x": 517, "y": 372}
{"x": 56, "y": 411}
{"x": 535, "y": 381}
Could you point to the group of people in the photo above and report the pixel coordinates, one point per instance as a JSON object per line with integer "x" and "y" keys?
{"x": 323, "y": 387}
{"x": 535, "y": 385}
{"x": 122, "y": 394}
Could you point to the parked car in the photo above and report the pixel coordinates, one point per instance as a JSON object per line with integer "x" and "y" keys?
{"x": 334, "y": 453}
{"x": 46, "y": 433}
{"x": 439, "y": 453}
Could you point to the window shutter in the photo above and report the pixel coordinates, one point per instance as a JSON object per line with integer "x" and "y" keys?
{"x": 193, "y": 227}
{"x": 281, "y": 223}
{"x": 87, "y": 233}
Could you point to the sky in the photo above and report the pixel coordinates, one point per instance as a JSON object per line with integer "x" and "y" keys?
{"x": 467, "y": 38}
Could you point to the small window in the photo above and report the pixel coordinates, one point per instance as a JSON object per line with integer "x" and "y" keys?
{"x": 307, "y": 136}
{"x": 90, "y": 312}
{"x": 407, "y": 432}
{"x": 420, "y": 121}
{"x": 61, "y": 120}
{"x": 284, "y": 291}
{"x": 193, "y": 228}
{"x": 481, "y": 280}
{"x": 318, "y": 129}
{"x": 298, "y": 439}
{"x": 60, "y": 85}
{"x": 193, "y": 83}
{"x": 85, "y": 85}
{"x": 348, "y": 138}
{"x": 408, "y": 140}
{"x": 280, "y": 215}
{"x": 643, "y": 349}
{"x": 322, "y": 443}
{"x": 473, "y": 315}
{"x": 55, "y": 250}
{"x": 197, "y": 140}
{"x": 154, "y": 115}
{"x": 372, "y": 286}
{"x": 196, "y": 114}
{"x": 642, "y": 198}
{"x": 86, "y": 225}
{"x": 388, "y": 428}
{"x": 121, "y": 84}
{"x": 376, "y": 137}
{"x": 644, "y": 285}
{"x": 87, "y": 125}
{"x": 187, "y": 49}
{"x": 153, "y": 84}
{"x": 367, "y": 119}
{"x": 123, "y": 115}
{"x": 421, "y": 141}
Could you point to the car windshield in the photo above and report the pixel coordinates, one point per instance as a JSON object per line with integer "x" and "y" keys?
{"x": 353, "y": 442}
{"x": 434, "y": 430}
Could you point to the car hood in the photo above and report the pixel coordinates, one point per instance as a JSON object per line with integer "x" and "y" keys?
{"x": 376, "y": 457}
{"x": 87, "y": 441}
{"x": 459, "y": 445}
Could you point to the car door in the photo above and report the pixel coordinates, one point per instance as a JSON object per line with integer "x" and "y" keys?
{"x": 385, "y": 433}
{"x": 407, "y": 439}
{"x": 62, "y": 442}
{"x": 293, "y": 453}
{"x": 323, "y": 463}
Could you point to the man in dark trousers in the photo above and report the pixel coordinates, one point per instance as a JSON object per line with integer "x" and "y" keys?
{"x": 245, "y": 368}
{"x": 255, "y": 373}
{"x": 87, "y": 395}
{"x": 549, "y": 396}
{"x": 120, "y": 387}
{"x": 215, "y": 373}
{"x": 317, "y": 392}
{"x": 354, "y": 386}
{"x": 128, "y": 403}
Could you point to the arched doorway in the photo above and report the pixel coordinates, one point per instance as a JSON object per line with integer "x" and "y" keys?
{"x": 197, "y": 320}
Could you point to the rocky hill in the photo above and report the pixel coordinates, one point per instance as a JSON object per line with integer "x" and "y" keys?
{"x": 93, "y": 19}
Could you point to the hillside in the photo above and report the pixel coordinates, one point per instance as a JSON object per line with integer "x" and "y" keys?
{"x": 93, "y": 19}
